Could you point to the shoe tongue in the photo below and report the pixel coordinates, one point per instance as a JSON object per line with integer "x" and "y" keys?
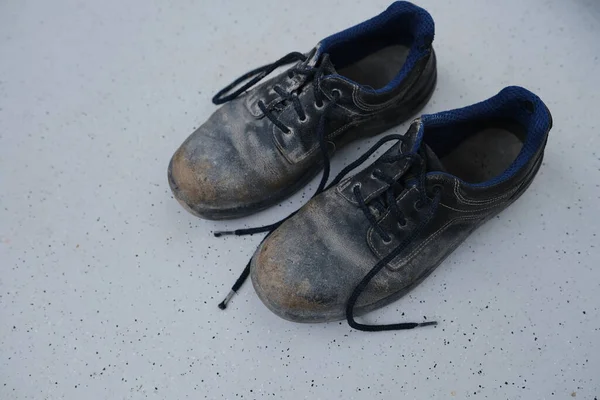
{"x": 327, "y": 65}
{"x": 432, "y": 161}
{"x": 316, "y": 59}
{"x": 414, "y": 140}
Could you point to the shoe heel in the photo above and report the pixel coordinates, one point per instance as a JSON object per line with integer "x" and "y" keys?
{"x": 394, "y": 117}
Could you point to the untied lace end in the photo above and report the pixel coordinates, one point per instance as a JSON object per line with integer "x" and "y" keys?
{"x": 391, "y": 327}
{"x": 249, "y": 231}
{"x": 223, "y": 233}
{"x": 236, "y": 286}
{"x": 223, "y": 304}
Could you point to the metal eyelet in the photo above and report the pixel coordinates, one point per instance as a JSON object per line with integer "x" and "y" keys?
{"x": 402, "y": 148}
{"x": 317, "y": 107}
{"x": 338, "y": 91}
{"x": 402, "y": 224}
{"x": 418, "y": 205}
{"x": 305, "y": 120}
{"x": 387, "y": 241}
{"x": 375, "y": 171}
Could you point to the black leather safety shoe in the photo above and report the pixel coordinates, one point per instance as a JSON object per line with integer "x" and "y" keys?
{"x": 368, "y": 239}
{"x": 268, "y": 141}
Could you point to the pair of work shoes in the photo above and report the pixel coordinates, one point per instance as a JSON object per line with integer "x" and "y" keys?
{"x": 365, "y": 240}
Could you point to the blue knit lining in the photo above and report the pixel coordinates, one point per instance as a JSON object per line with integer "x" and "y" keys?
{"x": 402, "y": 23}
{"x": 512, "y": 103}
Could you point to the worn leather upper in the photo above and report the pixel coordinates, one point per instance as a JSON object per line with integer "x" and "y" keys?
{"x": 238, "y": 160}
{"x": 307, "y": 269}
{"x": 241, "y": 160}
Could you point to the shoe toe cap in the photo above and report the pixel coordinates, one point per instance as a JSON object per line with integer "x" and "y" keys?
{"x": 294, "y": 285}
{"x": 210, "y": 178}
{"x": 193, "y": 182}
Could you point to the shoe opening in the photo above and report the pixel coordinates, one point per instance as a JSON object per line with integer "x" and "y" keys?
{"x": 486, "y": 143}
{"x": 380, "y": 52}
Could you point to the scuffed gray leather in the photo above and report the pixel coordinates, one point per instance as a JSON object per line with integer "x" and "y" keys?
{"x": 307, "y": 269}
{"x": 239, "y": 162}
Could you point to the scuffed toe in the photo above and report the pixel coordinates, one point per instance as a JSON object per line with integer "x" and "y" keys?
{"x": 291, "y": 286}
{"x": 192, "y": 186}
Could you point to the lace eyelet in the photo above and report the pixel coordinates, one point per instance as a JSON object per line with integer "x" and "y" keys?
{"x": 319, "y": 107}
{"x": 338, "y": 91}
{"x": 289, "y": 132}
{"x": 375, "y": 172}
{"x": 402, "y": 148}
{"x": 387, "y": 241}
{"x": 418, "y": 205}
{"x": 402, "y": 224}
{"x": 303, "y": 121}
{"x": 438, "y": 188}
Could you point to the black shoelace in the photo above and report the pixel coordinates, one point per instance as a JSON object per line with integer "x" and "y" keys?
{"x": 425, "y": 205}
{"x": 314, "y": 74}
{"x": 389, "y": 199}
{"x": 310, "y": 73}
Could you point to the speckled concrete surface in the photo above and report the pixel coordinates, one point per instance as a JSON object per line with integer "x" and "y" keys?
{"x": 108, "y": 289}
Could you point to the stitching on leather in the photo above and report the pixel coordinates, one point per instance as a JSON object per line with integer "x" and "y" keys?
{"x": 375, "y": 191}
{"x": 397, "y": 265}
{"x": 332, "y": 135}
{"x": 354, "y": 88}
{"x": 371, "y": 230}
{"x": 316, "y": 146}
{"x": 367, "y": 107}
{"x": 372, "y": 109}
{"x": 359, "y": 104}
{"x": 342, "y": 186}
{"x": 343, "y": 128}
{"x": 470, "y": 211}
{"x": 378, "y": 190}
{"x": 284, "y": 152}
{"x": 482, "y": 202}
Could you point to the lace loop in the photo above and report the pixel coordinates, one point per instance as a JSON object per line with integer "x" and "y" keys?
{"x": 310, "y": 73}
{"x": 361, "y": 287}
{"x": 401, "y": 220}
{"x": 256, "y": 74}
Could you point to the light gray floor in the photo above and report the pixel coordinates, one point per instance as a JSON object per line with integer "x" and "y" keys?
{"x": 108, "y": 289}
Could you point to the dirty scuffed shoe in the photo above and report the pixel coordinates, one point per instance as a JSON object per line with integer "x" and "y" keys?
{"x": 268, "y": 141}
{"x": 368, "y": 239}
